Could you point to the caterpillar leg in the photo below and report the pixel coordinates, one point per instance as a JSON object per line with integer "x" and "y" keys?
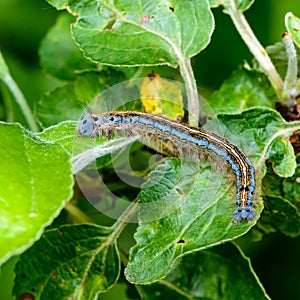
{"x": 244, "y": 213}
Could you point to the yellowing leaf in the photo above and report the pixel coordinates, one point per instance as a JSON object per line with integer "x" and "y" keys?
{"x": 161, "y": 97}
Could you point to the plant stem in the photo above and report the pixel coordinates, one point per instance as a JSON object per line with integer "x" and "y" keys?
{"x": 290, "y": 81}
{"x": 255, "y": 47}
{"x": 18, "y": 95}
{"x": 187, "y": 75}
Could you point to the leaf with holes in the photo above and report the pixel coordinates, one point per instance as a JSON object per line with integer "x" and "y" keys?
{"x": 183, "y": 208}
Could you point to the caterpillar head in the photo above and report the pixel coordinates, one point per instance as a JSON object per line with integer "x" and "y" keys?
{"x": 86, "y": 126}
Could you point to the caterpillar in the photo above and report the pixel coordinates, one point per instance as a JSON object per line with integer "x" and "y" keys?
{"x": 94, "y": 125}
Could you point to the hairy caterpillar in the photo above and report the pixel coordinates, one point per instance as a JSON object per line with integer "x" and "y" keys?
{"x": 181, "y": 135}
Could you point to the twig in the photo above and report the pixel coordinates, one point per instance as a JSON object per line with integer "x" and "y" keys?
{"x": 187, "y": 75}
{"x": 255, "y": 47}
{"x": 18, "y": 95}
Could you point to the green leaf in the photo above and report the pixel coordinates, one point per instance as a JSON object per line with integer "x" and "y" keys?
{"x": 67, "y": 102}
{"x": 281, "y": 152}
{"x": 140, "y": 32}
{"x": 240, "y": 4}
{"x": 282, "y": 198}
{"x": 183, "y": 209}
{"x": 270, "y": 133}
{"x": 198, "y": 205}
{"x": 59, "y": 105}
{"x": 292, "y": 24}
{"x": 63, "y": 133}
{"x": 243, "y": 89}
{"x": 84, "y": 263}
{"x": 222, "y": 272}
{"x": 36, "y": 181}
{"x": 263, "y": 134}
{"x": 58, "y": 52}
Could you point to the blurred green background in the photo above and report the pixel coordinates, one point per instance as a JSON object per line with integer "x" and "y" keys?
{"x": 22, "y": 27}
